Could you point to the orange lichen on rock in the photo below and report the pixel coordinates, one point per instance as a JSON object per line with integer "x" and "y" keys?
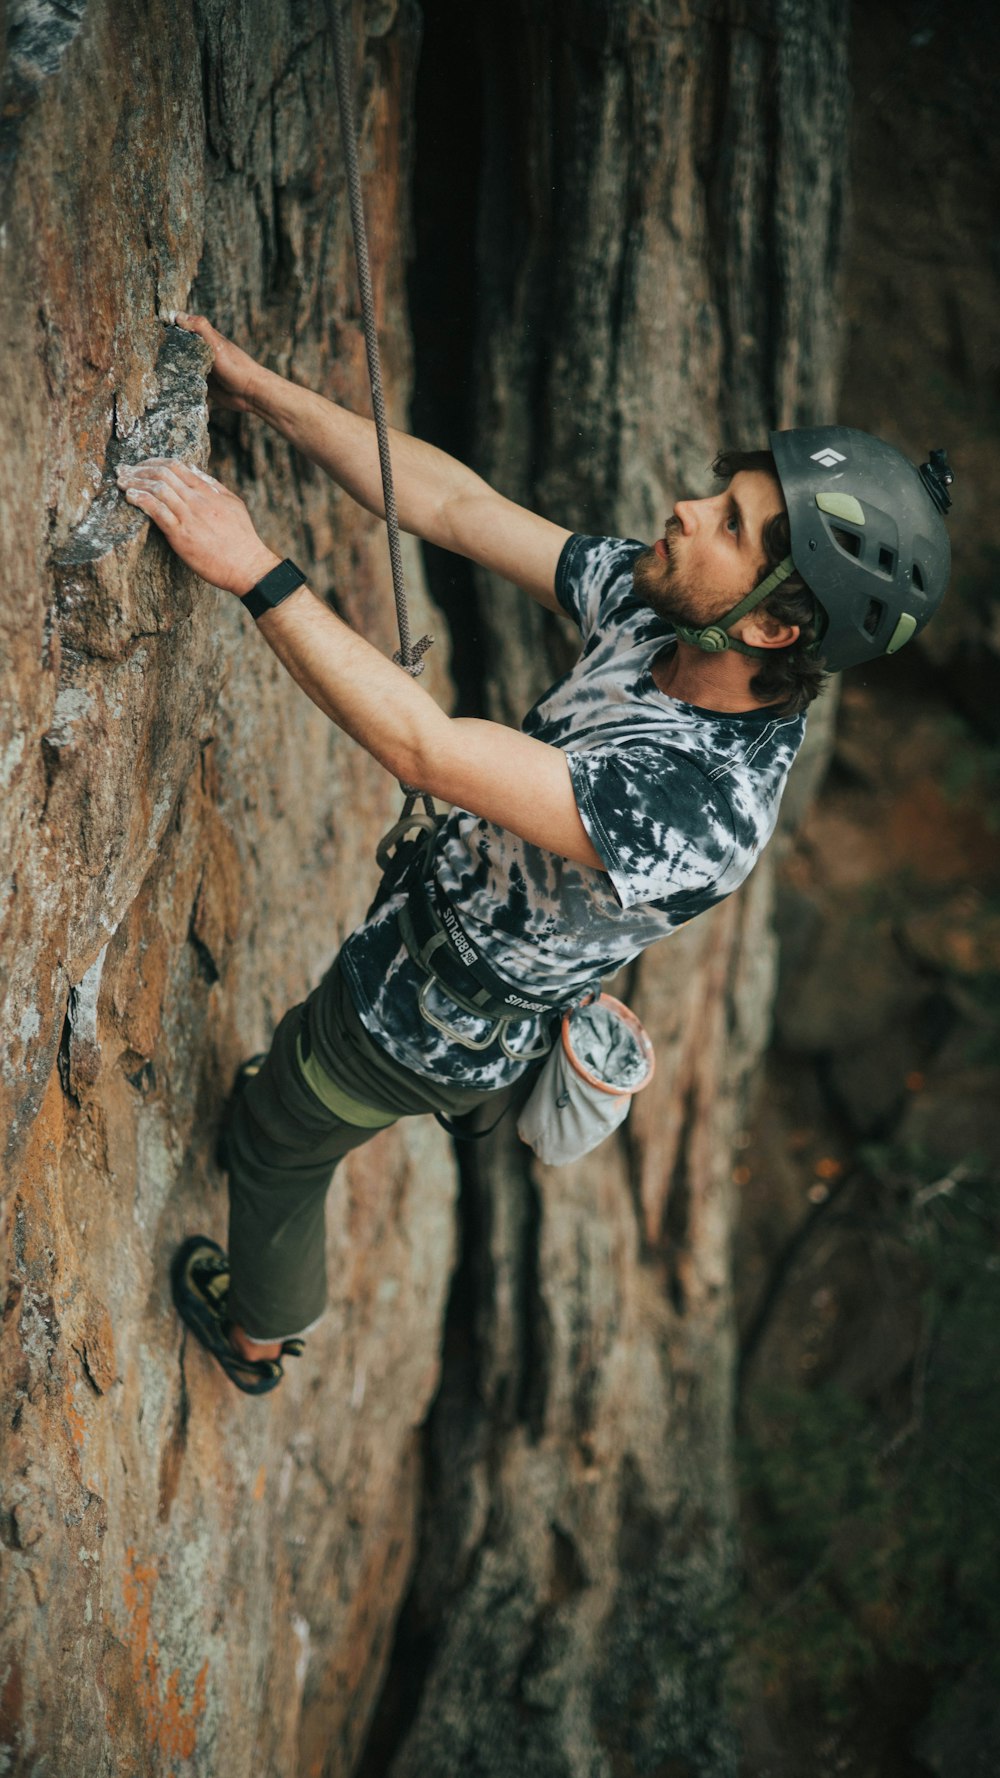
{"x": 171, "y": 1727}
{"x": 74, "y": 1417}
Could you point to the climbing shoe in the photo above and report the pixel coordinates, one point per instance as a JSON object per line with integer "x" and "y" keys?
{"x": 244, "y": 1073}
{"x": 199, "y": 1282}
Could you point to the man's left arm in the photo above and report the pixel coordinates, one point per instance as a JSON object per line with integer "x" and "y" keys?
{"x": 497, "y": 772}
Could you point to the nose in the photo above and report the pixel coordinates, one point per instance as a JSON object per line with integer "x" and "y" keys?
{"x": 685, "y": 516}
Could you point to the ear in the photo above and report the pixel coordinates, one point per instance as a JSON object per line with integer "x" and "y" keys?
{"x": 760, "y": 630}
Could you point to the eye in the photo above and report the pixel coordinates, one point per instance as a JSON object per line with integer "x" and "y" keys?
{"x": 733, "y": 524}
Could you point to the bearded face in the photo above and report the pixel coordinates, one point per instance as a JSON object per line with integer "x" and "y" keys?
{"x": 711, "y": 552}
{"x": 662, "y": 585}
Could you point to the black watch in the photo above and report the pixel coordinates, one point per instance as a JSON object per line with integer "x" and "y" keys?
{"x": 274, "y": 587}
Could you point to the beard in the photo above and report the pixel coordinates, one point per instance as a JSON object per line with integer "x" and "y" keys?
{"x": 667, "y": 590}
{"x": 660, "y": 587}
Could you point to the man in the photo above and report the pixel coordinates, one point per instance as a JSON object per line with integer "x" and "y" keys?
{"x": 639, "y": 792}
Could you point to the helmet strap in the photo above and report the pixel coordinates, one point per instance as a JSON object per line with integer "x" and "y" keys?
{"x": 714, "y": 638}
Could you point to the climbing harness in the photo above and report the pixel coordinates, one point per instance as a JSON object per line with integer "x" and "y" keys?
{"x": 439, "y": 943}
{"x": 441, "y": 947}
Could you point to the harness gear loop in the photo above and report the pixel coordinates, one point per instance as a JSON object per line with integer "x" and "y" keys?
{"x": 409, "y": 655}
{"x": 440, "y": 946}
{"x": 427, "y": 822}
{"x": 405, "y": 851}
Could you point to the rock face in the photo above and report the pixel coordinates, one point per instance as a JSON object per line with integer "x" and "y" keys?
{"x": 923, "y": 333}
{"x": 486, "y": 1524}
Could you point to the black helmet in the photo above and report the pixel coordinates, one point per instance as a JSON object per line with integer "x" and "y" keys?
{"x": 867, "y": 536}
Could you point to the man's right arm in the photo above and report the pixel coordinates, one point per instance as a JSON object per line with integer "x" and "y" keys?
{"x": 438, "y": 498}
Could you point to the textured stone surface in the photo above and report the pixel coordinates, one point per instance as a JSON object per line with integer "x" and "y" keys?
{"x": 923, "y": 320}
{"x": 185, "y": 840}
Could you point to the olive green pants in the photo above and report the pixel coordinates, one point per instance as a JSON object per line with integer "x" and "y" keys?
{"x": 325, "y": 1088}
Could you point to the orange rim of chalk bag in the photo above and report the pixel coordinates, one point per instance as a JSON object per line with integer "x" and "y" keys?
{"x": 638, "y": 1031}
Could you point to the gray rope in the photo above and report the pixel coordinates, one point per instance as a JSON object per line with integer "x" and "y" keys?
{"x": 409, "y": 653}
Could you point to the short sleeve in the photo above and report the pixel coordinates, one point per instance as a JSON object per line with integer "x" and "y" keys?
{"x": 660, "y": 828}
{"x": 591, "y": 575}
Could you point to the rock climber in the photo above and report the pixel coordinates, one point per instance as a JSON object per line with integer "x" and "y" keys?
{"x": 638, "y": 792}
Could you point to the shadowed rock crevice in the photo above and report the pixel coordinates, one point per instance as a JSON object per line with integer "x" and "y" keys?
{"x": 677, "y": 1211}
{"x": 454, "y": 1453}
{"x": 442, "y": 296}
{"x": 63, "y": 1055}
{"x": 535, "y": 1325}
{"x": 174, "y": 1448}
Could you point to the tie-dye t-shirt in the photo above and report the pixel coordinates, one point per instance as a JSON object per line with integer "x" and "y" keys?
{"x": 677, "y": 802}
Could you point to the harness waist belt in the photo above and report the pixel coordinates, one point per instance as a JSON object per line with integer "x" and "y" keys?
{"x": 436, "y": 939}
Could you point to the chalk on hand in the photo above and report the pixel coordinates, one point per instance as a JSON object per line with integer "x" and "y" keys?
{"x": 210, "y": 479}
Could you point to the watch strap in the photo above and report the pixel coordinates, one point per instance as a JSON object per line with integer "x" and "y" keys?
{"x": 274, "y": 587}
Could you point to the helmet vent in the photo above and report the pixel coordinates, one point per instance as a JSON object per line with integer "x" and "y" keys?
{"x": 873, "y": 616}
{"x": 848, "y": 540}
{"x": 886, "y": 560}
{"x": 918, "y": 579}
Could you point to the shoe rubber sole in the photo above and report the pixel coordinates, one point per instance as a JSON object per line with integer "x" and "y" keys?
{"x": 199, "y": 1284}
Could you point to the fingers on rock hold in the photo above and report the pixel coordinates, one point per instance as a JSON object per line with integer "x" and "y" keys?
{"x": 205, "y": 477}
{"x": 150, "y": 466}
{"x": 162, "y": 512}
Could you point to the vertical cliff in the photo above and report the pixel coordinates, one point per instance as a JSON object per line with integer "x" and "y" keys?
{"x": 486, "y": 1524}
{"x": 185, "y": 840}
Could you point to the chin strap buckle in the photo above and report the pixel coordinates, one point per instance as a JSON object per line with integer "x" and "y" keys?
{"x": 715, "y": 637}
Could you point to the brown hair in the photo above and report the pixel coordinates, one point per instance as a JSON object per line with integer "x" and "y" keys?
{"x": 789, "y": 678}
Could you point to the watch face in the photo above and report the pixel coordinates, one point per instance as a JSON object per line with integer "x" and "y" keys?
{"x": 281, "y": 581}
{"x": 274, "y": 587}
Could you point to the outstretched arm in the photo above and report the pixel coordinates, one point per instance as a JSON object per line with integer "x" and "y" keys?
{"x": 438, "y": 498}
{"x": 509, "y": 778}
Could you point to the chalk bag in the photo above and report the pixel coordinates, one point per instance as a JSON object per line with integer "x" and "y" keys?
{"x": 587, "y": 1084}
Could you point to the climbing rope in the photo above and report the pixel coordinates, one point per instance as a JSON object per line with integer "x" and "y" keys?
{"x": 409, "y": 654}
